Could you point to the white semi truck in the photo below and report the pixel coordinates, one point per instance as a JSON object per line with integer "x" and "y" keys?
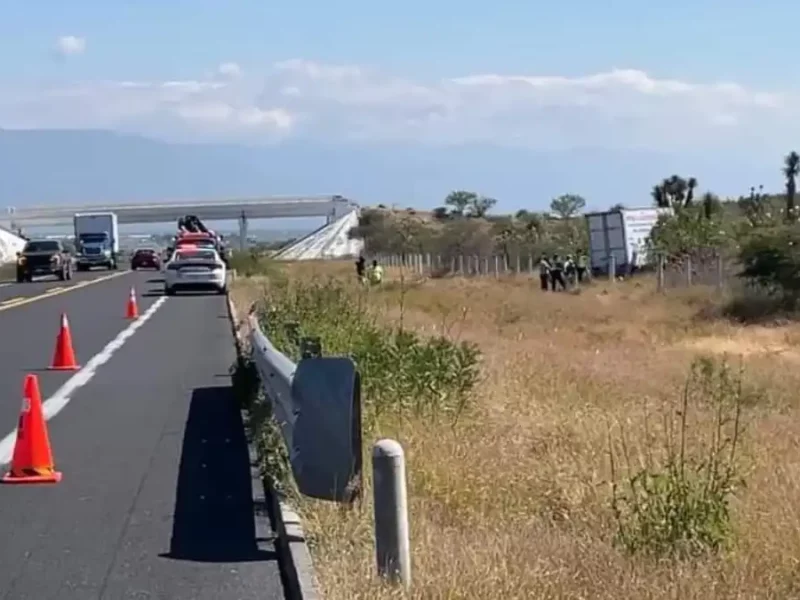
{"x": 96, "y": 240}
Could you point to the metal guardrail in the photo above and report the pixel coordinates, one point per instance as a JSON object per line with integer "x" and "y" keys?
{"x": 317, "y": 404}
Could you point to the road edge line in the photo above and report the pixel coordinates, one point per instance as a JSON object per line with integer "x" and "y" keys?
{"x": 298, "y": 567}
{"x": 62, "y": 396}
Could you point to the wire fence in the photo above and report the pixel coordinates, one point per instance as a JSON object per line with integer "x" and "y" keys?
{"x": 704, "y": 269}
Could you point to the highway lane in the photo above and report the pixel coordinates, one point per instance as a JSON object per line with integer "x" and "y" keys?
{"x": 28, "y": 334}
{"x": 156, "y": 500}
{"x": 11, "y": 291}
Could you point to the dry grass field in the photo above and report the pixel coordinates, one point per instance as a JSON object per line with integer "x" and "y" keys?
{"x": 514, "y": 501}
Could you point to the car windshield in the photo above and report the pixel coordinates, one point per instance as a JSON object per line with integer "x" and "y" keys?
{"x": 44, "y": 246}
{"x": 145, "y": 252}
{"x": 196, "y": 255}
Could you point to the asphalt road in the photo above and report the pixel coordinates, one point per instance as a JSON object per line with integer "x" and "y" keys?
{"x": 156, "y": 499}
{"x": 11, "y": 291}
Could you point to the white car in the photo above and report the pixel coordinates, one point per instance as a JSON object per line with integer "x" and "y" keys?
{"x": 195, "y": 269}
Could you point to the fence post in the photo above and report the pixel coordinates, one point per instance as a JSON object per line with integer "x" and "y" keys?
{"x": 612, "y": 268}
{"x": 530, "y": 264}
{"x": 661, "y": 264}
{"x": 688, "y": 264}
{"x": 390, "y": 499}
{"x": 461, "y": 264}
{"x": 518, "y": 268}
{"x": 496, "y": 266}
{"x": 720, "y": 272}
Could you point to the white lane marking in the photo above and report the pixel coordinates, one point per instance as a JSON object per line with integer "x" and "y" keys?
{"x": 56, "y": 403}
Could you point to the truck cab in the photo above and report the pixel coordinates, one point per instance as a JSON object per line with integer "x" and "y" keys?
{"x": 95, "y": 250}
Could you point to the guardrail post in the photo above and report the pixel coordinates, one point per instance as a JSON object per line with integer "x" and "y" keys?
{"x": 390, "y": 499}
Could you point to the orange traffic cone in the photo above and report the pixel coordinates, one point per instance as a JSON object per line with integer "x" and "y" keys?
{"x": 33, "y": 460}
{"x": 64, "y": 357}
{"x": 132, "y": 311}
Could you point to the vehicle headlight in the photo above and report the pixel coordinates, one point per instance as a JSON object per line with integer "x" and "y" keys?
{"x": 107, "y": 252}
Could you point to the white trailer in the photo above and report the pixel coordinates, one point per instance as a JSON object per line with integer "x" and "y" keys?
{"x": 622, "y": 234}
{"x": 97, "y": 240}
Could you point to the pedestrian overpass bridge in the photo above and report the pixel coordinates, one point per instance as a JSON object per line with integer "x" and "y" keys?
{"x": 333, "y": 207}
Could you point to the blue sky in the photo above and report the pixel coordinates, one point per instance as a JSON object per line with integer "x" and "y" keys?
{"x": 736, "y": 39}
{"x": 688, "y": 78}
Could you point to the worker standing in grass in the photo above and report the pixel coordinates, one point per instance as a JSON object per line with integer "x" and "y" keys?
{"x": 569, "y": 270}
{"x": 375, "y": 273}
{"x": 361, "y": 268}
{"x": 557, "y": 272}
{"x": 544, "y": 272}
{"x": 581, "y": 267}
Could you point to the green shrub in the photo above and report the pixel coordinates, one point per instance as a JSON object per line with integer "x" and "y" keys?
{"x": 263, "y": 430}
{"x": 770, "y": 276}
{"x": 401, "y": 372}
{"x": 677, "y": 505}
{"x": 771, "y": 259}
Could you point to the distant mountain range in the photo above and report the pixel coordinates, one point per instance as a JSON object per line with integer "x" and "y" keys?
{"x": 70, "y": 166}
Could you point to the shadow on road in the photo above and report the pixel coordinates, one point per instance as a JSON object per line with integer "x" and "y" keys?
{"x": 214, "y": 511}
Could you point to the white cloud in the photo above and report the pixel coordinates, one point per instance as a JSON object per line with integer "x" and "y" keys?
{"x": 67, "y": 45}
{"x": 229, "y": 70}
{"x": 617, "y": 108}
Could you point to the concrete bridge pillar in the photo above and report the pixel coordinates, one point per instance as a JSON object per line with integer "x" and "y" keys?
{"x": 243, "y": 232}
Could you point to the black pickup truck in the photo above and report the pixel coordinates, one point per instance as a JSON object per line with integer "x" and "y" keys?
{"x": 44, "y": 257}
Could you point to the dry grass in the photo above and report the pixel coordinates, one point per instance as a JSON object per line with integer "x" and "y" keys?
{"x": 514, "y": 502}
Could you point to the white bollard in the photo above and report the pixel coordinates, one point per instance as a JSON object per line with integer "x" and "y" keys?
{"x": 392, "y": 546}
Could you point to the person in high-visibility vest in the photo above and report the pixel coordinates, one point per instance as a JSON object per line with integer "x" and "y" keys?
{"x": 375, "y": 273}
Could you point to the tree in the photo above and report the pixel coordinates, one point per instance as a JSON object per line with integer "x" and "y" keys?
{"x": 791, "y": 168}
{"x": 459, "y": 201}
{"x": 674, "y": 192}
{"x": 480, "y": 206}
{"x": 691, "y": 184}
{"x": 711, "y": 205}
{"x": 567, "y": 206}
